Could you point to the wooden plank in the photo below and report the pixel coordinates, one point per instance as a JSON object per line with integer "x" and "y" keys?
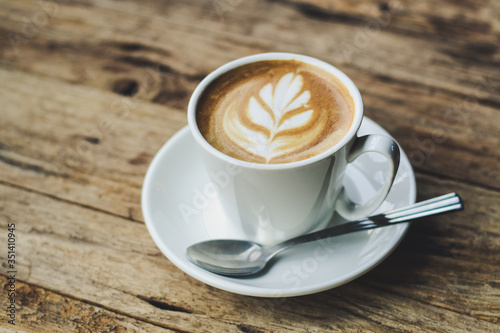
{"x": 445, "y": 135}
{"x": 157, "y": 34}
{"x": 95, "y": 157}
{"x": 470, "y": 20}
{"x": 112, "y": 263}
{"x": 40, "y": 310}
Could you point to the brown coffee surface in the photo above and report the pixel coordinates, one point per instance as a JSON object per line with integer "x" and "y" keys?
{"x": 275, "y": 111}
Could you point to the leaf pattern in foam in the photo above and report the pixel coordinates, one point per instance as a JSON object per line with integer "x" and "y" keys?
{"x": 301, "y": 118}
{"x": 284, "y": 97}
{"x": 285, "y": 91}
{"x": 258, "y": 115}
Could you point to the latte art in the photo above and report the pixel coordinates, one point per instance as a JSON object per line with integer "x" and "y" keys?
{"x": 275, "y": 112}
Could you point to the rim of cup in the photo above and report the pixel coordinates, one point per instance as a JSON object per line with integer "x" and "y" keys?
{"x": 344, "y": 79}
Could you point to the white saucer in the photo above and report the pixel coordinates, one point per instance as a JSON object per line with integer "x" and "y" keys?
{"x": 174, "y": 177}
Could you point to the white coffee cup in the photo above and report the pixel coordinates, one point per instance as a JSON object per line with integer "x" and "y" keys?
{"x": 274, "y": 202}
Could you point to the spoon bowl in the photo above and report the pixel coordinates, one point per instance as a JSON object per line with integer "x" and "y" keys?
{"x": 229, "y": 256}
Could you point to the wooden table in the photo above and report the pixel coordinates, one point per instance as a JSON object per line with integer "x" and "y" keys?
{"x": 90, "y": 90}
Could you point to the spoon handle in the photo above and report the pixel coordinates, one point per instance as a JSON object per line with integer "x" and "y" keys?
{"x": 442, "y": 204}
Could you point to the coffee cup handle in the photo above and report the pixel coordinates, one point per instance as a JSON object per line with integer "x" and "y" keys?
{"x": 370, "y": 143}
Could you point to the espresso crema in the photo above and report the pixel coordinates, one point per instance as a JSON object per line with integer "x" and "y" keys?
{"x": 275, "y": 111}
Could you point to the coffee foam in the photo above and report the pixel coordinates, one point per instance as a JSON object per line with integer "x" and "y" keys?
{"x": 275, "y": 112}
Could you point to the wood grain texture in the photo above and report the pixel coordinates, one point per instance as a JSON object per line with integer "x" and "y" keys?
{"x": 89, "y": 92}
{"x": 43, "y": 311}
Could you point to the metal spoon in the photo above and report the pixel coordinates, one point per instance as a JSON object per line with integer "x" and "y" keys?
{"x": 240, "y": 258}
